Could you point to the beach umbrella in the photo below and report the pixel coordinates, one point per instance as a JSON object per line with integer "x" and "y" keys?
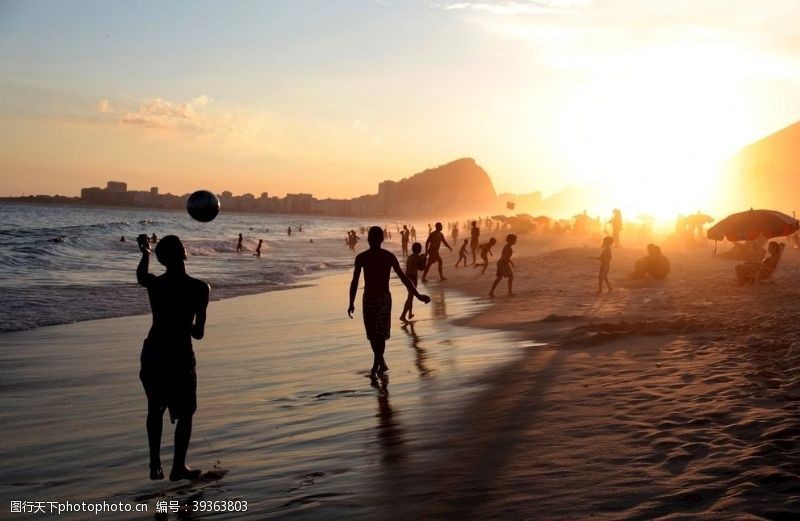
{"x": 752, "y": 224}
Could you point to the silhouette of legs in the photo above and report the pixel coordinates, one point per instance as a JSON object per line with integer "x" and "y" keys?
{"x": 154, "y": 427}
{"x": 183, "y": 433}
{"x": 378, "y": 363}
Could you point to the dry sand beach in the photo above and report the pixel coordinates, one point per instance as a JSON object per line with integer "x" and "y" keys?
{"x": 672, "y": 399}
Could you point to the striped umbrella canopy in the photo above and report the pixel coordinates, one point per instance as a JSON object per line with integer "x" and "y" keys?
{"x": 752, "y": 224}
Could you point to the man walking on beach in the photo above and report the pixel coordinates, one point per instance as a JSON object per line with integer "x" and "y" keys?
{"x": 179, "y": 303}
{"x": 435, "y": 240}
{"x": 377, "y": 302}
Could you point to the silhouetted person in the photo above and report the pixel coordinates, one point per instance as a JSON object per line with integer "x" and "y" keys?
{"x": 122, "y": 239}
{"x": 486, "y": 250}
{"x": 462, "y": 253}
{"x": 654, "y": 264}
{"x": 377, "y": 301}
{"x": 404, "y": 233}
{"x": 239, "y": 246}
{"x": 454, "y": 233}
{"x": 474, "y": 239}
{"x": 432, "y": 245}
{"x": 749, "y": 272}
{"x": 258, "y": 248}
{"x": 413, "y": 233}
{"x": 414, "y": 263}
{"x": 154, "y": 238}
{"x": 179, "y": 303}
{"x": 616, "y": 226}
{"x": 605, "y": 264}
{"x": 504, "y": 265}
{"x": 289, "y": 230}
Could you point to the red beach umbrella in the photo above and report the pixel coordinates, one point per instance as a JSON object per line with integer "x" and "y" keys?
{"x": 752, "y": 224}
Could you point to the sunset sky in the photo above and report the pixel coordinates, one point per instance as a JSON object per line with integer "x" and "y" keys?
{"x": 330, "y": 97}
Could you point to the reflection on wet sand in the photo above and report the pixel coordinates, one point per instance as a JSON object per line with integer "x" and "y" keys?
{"x": 390, "y": 434}
{"x": 438, "y": 303}
{"x": 421, "y": 356}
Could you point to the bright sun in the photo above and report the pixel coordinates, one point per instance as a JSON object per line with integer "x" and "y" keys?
{"x": 653, "y": 138}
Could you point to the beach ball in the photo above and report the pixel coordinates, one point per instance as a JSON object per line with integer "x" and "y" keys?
{"x": 203, "y": 206}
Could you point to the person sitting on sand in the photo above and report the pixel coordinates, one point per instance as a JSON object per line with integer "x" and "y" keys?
{"x": 178, "y": 303}
{"x": 505, "y": 264}
{"x": 239, "y": 246}
{"x": 462, "y": 253}
{"x": 377, "y": 301}
{"x": 605, "y": 264}
{"x": 750, "y": 272}
{"x": 486, "y": 250}
{"x": 414, "y": 263}
{"x": 432, "y": 244}
{"x": 258, "y": 248}
{"x": 654, "y": 264}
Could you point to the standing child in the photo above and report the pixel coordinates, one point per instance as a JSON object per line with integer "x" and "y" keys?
{"x": 505, "y": 264}
{"x": 414, "y": 263}
{"x": 462, "y": 253}
{"x": 486, "y": 250}
{"x": 605, "y": 264}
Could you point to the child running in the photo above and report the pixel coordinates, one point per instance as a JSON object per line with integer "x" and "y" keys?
{"x": 505, "y": 264}
{"x": 486, "y": 250}
{"x": 414, "y": 263}
{"x": 462, "y": 253}
{"x": 605, "y": 264}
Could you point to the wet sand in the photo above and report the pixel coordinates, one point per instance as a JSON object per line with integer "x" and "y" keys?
{"x": 673, "y": 399}
{"x": 287, "y": 416}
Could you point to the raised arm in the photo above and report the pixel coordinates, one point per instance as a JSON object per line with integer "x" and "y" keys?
{"x": 199, "y": 327}
{"x": 143, "y": 269}
{"x": 407, "y": 282}
{"x": 354, "y": 286}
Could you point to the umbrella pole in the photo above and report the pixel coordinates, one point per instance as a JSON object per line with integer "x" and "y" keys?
{"x": 715, "y": 248}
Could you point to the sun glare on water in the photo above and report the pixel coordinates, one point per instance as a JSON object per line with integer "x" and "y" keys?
{"x": 654, "y": 138}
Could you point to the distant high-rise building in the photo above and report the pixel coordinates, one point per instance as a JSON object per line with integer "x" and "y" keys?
{"x": 117, "y": 186}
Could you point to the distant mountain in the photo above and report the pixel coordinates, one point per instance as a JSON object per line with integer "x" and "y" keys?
{"x": 767, "y": 173}
{"x": 458, "y": 187}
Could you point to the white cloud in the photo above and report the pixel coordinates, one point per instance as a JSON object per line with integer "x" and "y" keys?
{"x": 514, "y": 8}
{"x": 104, "y": 106}
{"x": 161, "y": 114}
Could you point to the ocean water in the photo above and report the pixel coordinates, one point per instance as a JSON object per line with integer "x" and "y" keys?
{"x": 286, "y": 415}
{"x": 90, "y": 274}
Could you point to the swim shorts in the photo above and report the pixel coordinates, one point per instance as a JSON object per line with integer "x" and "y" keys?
{"x": 170, "y": 382}
{"x": 378, "y": 316}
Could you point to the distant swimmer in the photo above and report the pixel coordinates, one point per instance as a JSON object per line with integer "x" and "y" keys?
{"x": 288, "y": 230}
{"x": 462, "y": 253}
{"x": 300, "y": 228}
{"x": 122, "y": 239}
{"x": 404, "y": 233}
{"x": 178, "y": 303}
{"x": 154, "y": 238}
{"x": 605, "y": 264}
{"x": 486, "y": 250}
{"x": 414, "y": 263}
{"x": 60, "y": 238}
{"x": 377, "y": 264}
{"x": 432, "y": 244}
{"x": 505, "y": 265}
{"x": 239, "y": 246}
{"x": 474, "y": 239}
{"x": 258, "y": 248}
